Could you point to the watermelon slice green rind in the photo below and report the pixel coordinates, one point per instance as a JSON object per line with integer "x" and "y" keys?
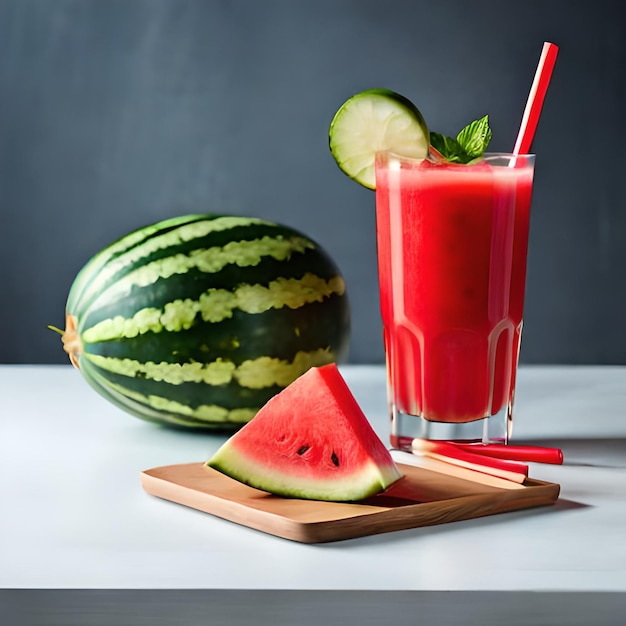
{"x": 310, "y": 441}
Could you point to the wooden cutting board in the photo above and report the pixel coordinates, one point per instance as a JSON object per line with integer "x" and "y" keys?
{"x": 422, "y": 497}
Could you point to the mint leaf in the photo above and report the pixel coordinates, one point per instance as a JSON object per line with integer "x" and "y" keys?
{"x": 469, "y": 144}
{"x": 475, "y": 137}
{"x": 449, "y": 148}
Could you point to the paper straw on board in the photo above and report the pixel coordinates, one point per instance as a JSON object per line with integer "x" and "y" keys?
{"x": 441, "y": 467}
{"x": 535, "y": 98}
{"x": 447, "y": 452}
{"x": 536, "y": 454}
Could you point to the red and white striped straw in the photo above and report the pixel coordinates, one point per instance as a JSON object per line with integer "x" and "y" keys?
{"x": 448, "y": 452}
{"x": 535, "y": 98}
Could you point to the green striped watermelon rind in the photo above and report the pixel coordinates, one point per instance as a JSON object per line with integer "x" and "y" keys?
{"x": 198, "y": 320}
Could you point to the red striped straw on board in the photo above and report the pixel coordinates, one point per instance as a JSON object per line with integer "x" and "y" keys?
{"x": 531, "y": 454}
{"x": 535, "y": 98}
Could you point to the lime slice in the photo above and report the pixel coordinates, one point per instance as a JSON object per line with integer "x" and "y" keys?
{"x": 372, "y": 121}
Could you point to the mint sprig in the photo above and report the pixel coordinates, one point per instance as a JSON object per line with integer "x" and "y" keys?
{"x": 449, "y": 148}
{"x": 469, "y": 144}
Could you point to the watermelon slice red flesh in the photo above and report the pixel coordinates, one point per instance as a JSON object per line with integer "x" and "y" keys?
{"x": 310, "y": 441}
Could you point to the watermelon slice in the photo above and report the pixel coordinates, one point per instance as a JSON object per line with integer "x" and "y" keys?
{"x": 310, "y": 441}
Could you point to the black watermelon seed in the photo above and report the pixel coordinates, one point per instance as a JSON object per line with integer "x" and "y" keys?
{"x": 334, "y": 459}
{"x": 303, "y": 449}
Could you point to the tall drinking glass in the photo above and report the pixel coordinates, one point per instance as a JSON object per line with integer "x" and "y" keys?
{"x": 452, "y": 242}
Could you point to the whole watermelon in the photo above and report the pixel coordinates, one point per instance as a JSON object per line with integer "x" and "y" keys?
{"x": 197, "y": 321}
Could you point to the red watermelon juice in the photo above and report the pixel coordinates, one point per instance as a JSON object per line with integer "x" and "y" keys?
{"x": 452, "y": 242}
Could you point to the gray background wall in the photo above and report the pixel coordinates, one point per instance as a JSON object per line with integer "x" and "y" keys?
{"x": 117, "y": 113}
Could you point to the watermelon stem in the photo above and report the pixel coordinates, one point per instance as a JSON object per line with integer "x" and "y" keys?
{"x": 70, "y": 338}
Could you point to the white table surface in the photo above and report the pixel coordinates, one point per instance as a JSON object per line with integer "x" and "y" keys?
{"x": 74, "y": 515}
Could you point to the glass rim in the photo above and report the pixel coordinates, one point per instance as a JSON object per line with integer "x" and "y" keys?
{"x": 506, "y": 157}
{"x": 488, "y": 153}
